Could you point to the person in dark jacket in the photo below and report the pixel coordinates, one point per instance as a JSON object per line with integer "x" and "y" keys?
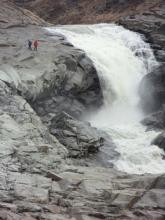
{"x": 29, "y": 44}
{"x": 35, "y": 45}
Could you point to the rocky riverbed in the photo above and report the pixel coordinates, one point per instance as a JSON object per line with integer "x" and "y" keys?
{"x": 50, "y": 168}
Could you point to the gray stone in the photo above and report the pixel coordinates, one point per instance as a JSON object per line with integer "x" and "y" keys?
{"x": 154, "y": 198}
{"x": 78, "y": 137}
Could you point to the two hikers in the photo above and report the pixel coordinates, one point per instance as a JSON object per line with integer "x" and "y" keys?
{"x": 35, "y": 44}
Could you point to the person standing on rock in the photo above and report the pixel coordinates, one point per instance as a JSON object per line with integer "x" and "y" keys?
{"x": 35, "y": 45}
{"x": 29, "y": 44}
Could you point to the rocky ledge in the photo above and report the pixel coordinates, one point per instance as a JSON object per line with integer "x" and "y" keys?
{"x": 39, "y": 181}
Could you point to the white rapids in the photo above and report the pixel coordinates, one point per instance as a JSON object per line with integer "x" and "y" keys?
{"x": 121, "y": 58}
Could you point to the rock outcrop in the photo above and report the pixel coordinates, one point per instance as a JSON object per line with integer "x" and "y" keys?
{"x": 71, "y": 84}
{"x": 57, "y": 78}
{"x": 160, "y": 141}
{"x": 151, "y": 23}
{"x": 78, "y": 137}
{"x": 152, "y": 90}
{"x": 13, "y": 16}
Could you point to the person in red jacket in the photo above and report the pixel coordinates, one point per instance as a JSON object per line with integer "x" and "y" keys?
{"x": 35, "y": 45}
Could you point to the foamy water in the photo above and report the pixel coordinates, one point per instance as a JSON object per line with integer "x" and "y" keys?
{"x": 121, "y": 58}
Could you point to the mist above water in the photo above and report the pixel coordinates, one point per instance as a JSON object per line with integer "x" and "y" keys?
{"x": 121, "y": 58}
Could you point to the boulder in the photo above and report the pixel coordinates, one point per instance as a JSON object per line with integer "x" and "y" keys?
{"x": 78, "y": 137}
{"x": 72, "y": 86}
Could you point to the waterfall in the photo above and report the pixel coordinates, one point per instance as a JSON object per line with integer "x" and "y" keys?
{"x": 121, "y": 58}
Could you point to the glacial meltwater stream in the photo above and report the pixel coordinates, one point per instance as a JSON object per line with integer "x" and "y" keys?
{"x": 121, "y": 58}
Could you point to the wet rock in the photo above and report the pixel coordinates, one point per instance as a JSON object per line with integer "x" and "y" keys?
{"x": 155, "y": 120}
{"x": 152, "y": 90}
{"x": 160, "y": 141}
{"x": 79, "y": 137}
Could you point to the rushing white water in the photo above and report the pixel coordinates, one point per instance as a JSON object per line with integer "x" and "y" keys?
{"x": 121, "y": 58}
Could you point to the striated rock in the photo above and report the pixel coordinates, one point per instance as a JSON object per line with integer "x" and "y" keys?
{"x": 79, "y": 137}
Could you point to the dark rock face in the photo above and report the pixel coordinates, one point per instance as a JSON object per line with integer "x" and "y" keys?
{"x": 150, "y": 23}
{"x": 160, "y": 141}
{"x": 152, "y": 90}
{"x": 78, "y": 137}
{"x": 152, "y": 93}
